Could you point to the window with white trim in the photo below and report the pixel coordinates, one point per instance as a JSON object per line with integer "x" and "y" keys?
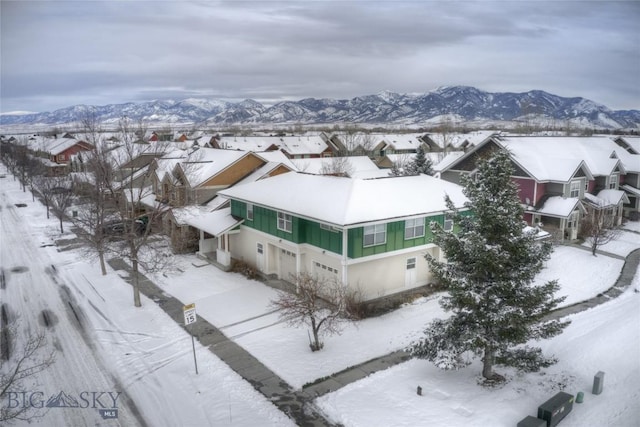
{"x": 249, "y": 211}
{"x": 375, "y": 234}
{"x": 613, "y": 182}
{"x": 448, "y": 223}
{"x": 329, "y": 228}
{"x": 284, "y": 222}
{"x": 574, "y": 190}
{"x": 413, "y": 228}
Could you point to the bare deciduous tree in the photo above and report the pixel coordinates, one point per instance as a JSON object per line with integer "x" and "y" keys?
{"x": 23, "y": 357}
{"x": 337, "y": 166}
{"x": 61, "y": 198}
{"x": 320, "y": 304}
{"x": 598, "y": 228}
{"x": 137, "y": 210}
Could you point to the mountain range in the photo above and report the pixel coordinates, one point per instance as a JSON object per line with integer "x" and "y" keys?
{"x": 461, "y": 104}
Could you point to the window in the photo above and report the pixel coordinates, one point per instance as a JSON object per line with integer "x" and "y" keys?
{"x": 575, "y": 189}
{"x": 329, "y": 228}
{"x": 573, "y": 220}
{"x": 411, "y": 263}
{"x": 284, "y": 222}
{"x": 375, "y": 234}
{"x": 448, "y": 224}
{"x": 586, "y": 186}
{"x": 249, "y": 211}
{"x": 320, "y": 266}
{"x": 613, "y": 182}
{"x": 413, "y": 228}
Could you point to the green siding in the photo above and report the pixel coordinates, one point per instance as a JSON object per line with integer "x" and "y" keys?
{"x": 303, "y": 231}
{"x": 307, "y": 231}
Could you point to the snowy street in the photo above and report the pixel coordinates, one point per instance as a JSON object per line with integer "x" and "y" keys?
{"x": 106, "y": 345}
{"x": 37, "y": 294}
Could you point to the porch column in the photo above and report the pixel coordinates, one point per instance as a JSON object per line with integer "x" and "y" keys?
{"x": 345, "y": 245}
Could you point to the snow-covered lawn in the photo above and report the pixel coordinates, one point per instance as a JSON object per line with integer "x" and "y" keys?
{"x": 580, "y": 275}
{"x": 240, "y": 307}
{"x": 626, "y": 242}
{"x": 632, "y": 226}
{"x": 605, "y": 338}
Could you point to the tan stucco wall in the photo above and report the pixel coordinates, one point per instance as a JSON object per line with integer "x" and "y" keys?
{"x": 375, "y": 277}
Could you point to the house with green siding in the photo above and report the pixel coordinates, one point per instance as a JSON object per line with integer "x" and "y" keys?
{"x": 370, "y": 234}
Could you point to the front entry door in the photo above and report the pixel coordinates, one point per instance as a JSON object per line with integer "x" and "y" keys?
{"x": 410, "y": 273}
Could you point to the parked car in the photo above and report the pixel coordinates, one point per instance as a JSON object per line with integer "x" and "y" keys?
{"x": 119, "y": 227}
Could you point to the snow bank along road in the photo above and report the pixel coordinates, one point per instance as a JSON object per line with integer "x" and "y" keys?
{"x": 37, "y": 296}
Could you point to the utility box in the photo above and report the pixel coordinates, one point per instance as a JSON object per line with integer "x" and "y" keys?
{"x": 598, "y": 383}
{"x": 532, "y": 422}
{"x": 556, "y": 408}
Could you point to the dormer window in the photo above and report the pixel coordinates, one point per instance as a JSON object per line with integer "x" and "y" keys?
{"x": 575, "y": 189}
{"x": 613, "y": 182}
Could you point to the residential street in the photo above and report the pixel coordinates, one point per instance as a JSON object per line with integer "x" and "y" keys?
{"x": 38, "y": 295}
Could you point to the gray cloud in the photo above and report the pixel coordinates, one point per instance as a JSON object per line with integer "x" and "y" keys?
{"x": 56, "y": 54}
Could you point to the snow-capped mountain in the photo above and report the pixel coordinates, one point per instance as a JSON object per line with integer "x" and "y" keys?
{"x": 466, "y": 104}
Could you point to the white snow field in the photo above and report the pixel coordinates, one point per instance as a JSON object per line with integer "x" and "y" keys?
{"x": 149, "y": 357}
{"x": 605, "y": 338}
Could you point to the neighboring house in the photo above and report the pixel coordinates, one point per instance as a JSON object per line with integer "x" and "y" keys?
{"x": 186, "y": 182}
{"x": 629, "y": 154}
{"x": 294, "y": 147}
{"x": 451, "y": 141}
{"x": 559, "y": 178}
{"x": 402, "y": 143}
{"x": 59, "y": 150}
{"x": 370, "y": 234}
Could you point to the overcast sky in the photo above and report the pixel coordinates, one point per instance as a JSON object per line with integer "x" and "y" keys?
{"x": 61, "y": 53}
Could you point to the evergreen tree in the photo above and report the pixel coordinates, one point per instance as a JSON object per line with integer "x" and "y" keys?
{"x": 491, "y": 264}
{"x": 420, "y": 164}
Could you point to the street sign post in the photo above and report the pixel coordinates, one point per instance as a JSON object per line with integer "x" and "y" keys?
{"x": 189, "y": 313}
{"x": 190, "y": 317}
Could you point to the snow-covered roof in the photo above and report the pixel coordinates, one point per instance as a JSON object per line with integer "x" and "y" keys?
{"x": 214, "y": 223}
{"x": 347, "y": 202}
{"x": 205, "y": 163}
{"x": 631, "y": 189}
{"x": 554, "y": 156}
{"x": 355, "y": 167}
{"x": 166, "y": 163}
{"x": 403, "y": 141}
{"x": 447, "y": 160}
{"x": 260, "y": 173}
{"x": 456, "y": 140}
{"x": 276, "y": 156}
{"x": 294, "y": 145}
{"x": 559, "y": 206}
{"x": 610, "y": 197}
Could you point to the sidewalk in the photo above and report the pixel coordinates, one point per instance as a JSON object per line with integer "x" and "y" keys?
{"x": 299, "y": 405}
